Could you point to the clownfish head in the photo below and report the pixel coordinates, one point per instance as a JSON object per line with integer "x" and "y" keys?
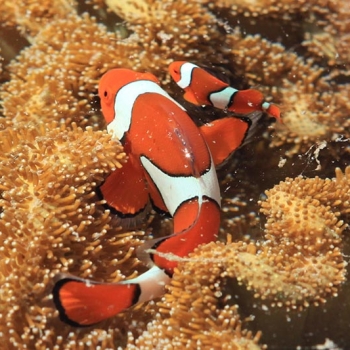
{"x": 182, "y": 74}
{"x": 175, "y": 70}
{"x": 111, "y": 82}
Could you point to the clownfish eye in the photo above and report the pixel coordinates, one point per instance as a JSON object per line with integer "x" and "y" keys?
{"x": 105, "y": 94}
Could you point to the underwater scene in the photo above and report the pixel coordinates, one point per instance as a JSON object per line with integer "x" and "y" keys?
{"x": 234, "y": 209}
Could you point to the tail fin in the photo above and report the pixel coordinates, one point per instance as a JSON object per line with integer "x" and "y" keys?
{"x": 274, "y": 111}
{"x": 82, "y": 303}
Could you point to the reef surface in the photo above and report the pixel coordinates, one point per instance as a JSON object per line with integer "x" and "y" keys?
{"x": 277, "y": 276}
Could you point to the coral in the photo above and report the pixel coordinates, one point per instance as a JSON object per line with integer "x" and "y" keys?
{"x": 52, "y": 222}
{"x": 301, "y": 260}
{"x": 30, "y": 16}
{"x": 313, "y": 106}
{"x": 330, "y": 41}
{"x": 1, "y": 63}
{"x": 307, "y": 102}
{"x": 168, "y": 31}
{"x": 63, "y": 78}
{"x": 296, "y": 53}
{"x": 271, "y": 8}
{"x": 313, "y": 113}
{"x": 325, "y": 46}
{"x": 56, "y": 77}
{"x": 190, "y": 316}
{"x": 303, "y": 238}
{"x": 328, "y": 192}
{"x": 298, "y": 262}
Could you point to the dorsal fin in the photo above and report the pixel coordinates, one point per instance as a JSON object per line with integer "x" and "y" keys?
{"x": 224, "y": 136}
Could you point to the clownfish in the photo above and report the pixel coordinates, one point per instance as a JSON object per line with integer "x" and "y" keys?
{"x": 171, "y": 164}
{"x": 202, "y": 88}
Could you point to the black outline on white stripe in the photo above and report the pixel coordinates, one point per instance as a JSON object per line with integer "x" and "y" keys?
{"x": 215, "y": 92}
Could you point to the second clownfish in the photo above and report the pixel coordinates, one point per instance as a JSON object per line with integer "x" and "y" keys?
{"x": 202, "y": 88}
{"x": 171, "y": 164}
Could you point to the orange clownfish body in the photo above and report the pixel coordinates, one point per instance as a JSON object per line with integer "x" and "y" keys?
{"x": 171, "y": 165}
{"x": 202, "y": 88}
